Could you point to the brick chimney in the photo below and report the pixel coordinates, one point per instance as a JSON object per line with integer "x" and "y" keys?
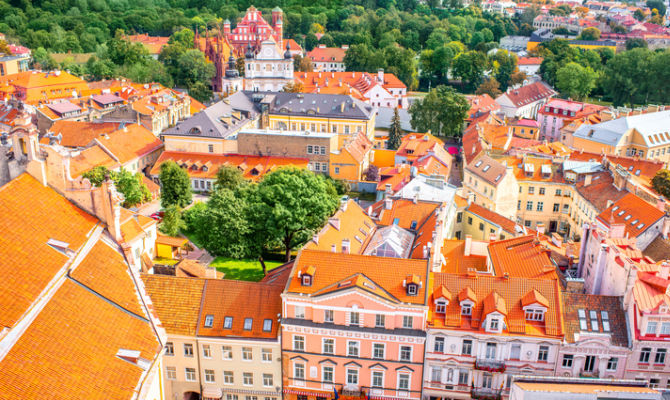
{"x": 111, "y": 209}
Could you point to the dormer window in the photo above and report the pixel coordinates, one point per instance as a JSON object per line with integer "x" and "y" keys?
{"x": 534, "y": 314}
{"x": 307, "y": 280}
{"x": 441, "y": 307}
{"x": 306, "y": 275}
{"x": 412, "y": 289}
{"x": 466, "y": 309}
{"x": 494, "y": 324}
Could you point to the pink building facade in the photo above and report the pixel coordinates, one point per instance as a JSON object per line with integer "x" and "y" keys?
{"x": 355, "y": 325}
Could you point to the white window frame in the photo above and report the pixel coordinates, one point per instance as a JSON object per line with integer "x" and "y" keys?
{"x": 358, "y": 348}
{"x": 400, "y": 352}
{"x": 383, "y": 350}
{"x": 323, "y": 346}
{"x": 266, "y": 355}
{"x": 246, "y": 375}
{"x": 187, "y": 374}
{"x": 226, "y": 350}
{"x": 358, "y": 380}
{"x": 409, "y": 381}
{"x": 231, "y": 376}
{"x": 295, "y": 340}
{"x": 372, "y": 378}
{"x": 212, "y": 375}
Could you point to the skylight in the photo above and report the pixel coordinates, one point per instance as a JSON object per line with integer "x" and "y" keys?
{"x": 622, "y": 212}
{"x": 486, "y": 168}
{"x": 497, "y": 178}
{"x": 640, "y": 226}
{"x": 615, "y": 208}
{"x": 582, "y": 319}
{"x": 606, "y": 321}
{"x": 635, "y": 221}
{"x": 478, "y": 163}
{"x": 627, "y": 217}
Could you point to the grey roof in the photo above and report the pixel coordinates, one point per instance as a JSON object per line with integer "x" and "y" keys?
{"x": 653, "y": 127}
{"x": 305, "y": 104}
{"x": 210, "y": 122}
{"x": 582, "y": 167}
{"x": 390, "y": 241}
{"x": 385, "y": 115}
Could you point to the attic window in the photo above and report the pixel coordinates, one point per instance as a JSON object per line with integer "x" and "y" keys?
{"x": 635, "y": 221}
{"x": 637, "y": 173}
{"x": 622, "y": 212}
{"x": 627, "y": 217}
{"x": 533, "y": 314}
{"x": 209, "y": 321}
{"x": 615, "y": 208}
{"x": 248, "y": 323}
{"x": 413, "y": 225}
{"x": 606, "y": 321}
{"x": 582, "y": 319}
{"x": 640, "y": 226}
{"x": 396, "y": 221}
{"x": 267, "y": 325}
{"x": 486, "y": 168}
{"x": 412, "y": 289}
{"x": 307, "y": 280}
{"x": 466, "y": 309}
{"x": 478, "y": 163}
{"x": 594, "y": 320}
{"x": 497, "y": 178}
{"x": 441, "y": 307}
{"x": 630, "y": 168}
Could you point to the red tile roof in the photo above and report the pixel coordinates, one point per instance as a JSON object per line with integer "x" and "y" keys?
{"x": 327, "y": 54}
{"x": 636, "y": 214}
{"x": 332, "y": 268}
{"x": 522, "y": 257}
{"x": 528, "y": 94}
{"x": 34, "y": 214}
{"x": 240, "y": 300}
{"x": 491, "y": 293}
{"x": 176, "y": 301}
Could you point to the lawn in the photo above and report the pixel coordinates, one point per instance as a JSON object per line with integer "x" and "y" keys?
{"x": 245, "y": 270}
{"x": 195, "y": 239}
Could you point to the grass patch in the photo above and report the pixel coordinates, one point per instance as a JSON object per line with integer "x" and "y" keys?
{"x": 244, "y": 270}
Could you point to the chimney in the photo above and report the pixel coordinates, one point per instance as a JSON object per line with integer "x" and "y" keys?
{"x": 587, "y": 179}
{"x": 345, "y": 47}
{"x": 388, "y": 203}
{"x": 343, "y": 204}
{"x": 660, "y": 203}
{"x": 416, "y": 198}
{"x": 111, "y": 203}
{"x": 335, "y": 222}
{"x": 345, "y": 246}
{"x": 556, "y": 239}
{"x": 617, "y": 231}
{"x": 540, "y": 228}
{"x": 471, "y": 198}
{"x": 664, "y": 270}
{"x": 666, "y": 226}
{"x": 322, "y": 46}
{"x": 387, "y": 190}
{"x": 380, "y": 75}
{"x": 468, "y": 245}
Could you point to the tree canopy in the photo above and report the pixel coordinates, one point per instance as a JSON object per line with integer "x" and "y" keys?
{"x": 175, "y": 185}
{"x": 132, "y": 187}
{"x": 442, "y": 111}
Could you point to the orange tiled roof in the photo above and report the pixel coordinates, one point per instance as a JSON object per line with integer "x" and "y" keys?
{"x": 90, "y": 158}
{"x": 415, "y": 145}
{"x": 636, "y": 214}
{"x": 534, "y": 297}
{"x": 522, "y": 257}
{"x": 405, "y": 210}
{"x": 442, "y": 293}
{"x": 352, "y": 224}
{"x": 176, "y": 300}
{"x": 481, "y": 104}
{"x": 253, "y": 167}
{"x": 130, "y": 142}
{"x": 506, "y": 224}
{"x": 33, "y": 214}
{"x": 327, "y": 54}
{"x": 455, "y": 260}
{"x": 69, "y": 350}
{"x": 240, "y": 299}
{"x": 81, "y": 133}
{"x": 335, "y": 267}
{"x": 487, "y": 168}
{"x": 153, "y": 44}
{"x": 359, "y": 147}
{"x": 397, "y": 177}
{"x": 491, "y": 293}
{"x": 105, "y": 270}
{"x": 134, "y": 224}
{"x": 43, "y": 86}
{"x": 645, "y": 169}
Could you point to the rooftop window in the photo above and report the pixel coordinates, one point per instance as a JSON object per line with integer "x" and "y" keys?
{"x": 486, "y": 168}
{"x": 209, "y": 321}
{"x": 267, "y": 325}
{"x": 228, "y": 323}
{"x": 248, "y": 322}
{"x": 478, "y": 163}
{"x": 582, "y": 319}
{"x": 606, "y": 320}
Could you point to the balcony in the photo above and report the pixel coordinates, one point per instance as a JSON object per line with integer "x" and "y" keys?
{"x": 486, "y": 394}
{"x": 590, "y": 374}
{"x": 490, "y": 365}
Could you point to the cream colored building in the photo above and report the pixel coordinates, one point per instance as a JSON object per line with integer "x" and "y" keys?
{"x": 223, "y": 336}
{"x": 642, "y": 135}
{"x": 492, "y": 184}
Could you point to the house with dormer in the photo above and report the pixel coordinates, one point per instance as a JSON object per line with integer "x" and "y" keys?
{"x": 483, "y": 329}
{"x": 353, "y": 325}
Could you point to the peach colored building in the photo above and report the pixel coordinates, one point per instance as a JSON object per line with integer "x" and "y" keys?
{"x": 353, "y": 325}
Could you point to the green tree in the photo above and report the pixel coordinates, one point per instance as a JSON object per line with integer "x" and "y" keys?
{"x": 200, "y": 91}
{"x": 639, "y": 15}
{"x": 490, "y": 87}
{"x": 575, "y": 81}
{"x": 634, "y": 43}
{"x": 395, "y": 132}
{"x": 183, "y": 37}
{"x": 42, "y": 59}
{"x": 659, "y": 5}
{"x": 172, "y": 221}
{"x": 289, "y": 205}
{"x": 230, "y": 178}
{"x": 504, "y": 65}
{"x": 134, "y": 190}
{"x": 442, "y": 111}
{"x": 175, "y": 185}
{"x": 626, "y": 77}
{"x": 470, "y": 67}
{"x": 590, "y": 33}
{"x": 661, "y": 182}
{"x": 193, "y": 68}
{"x": 223, "y": 226}
{"x": 97, "y": 175}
